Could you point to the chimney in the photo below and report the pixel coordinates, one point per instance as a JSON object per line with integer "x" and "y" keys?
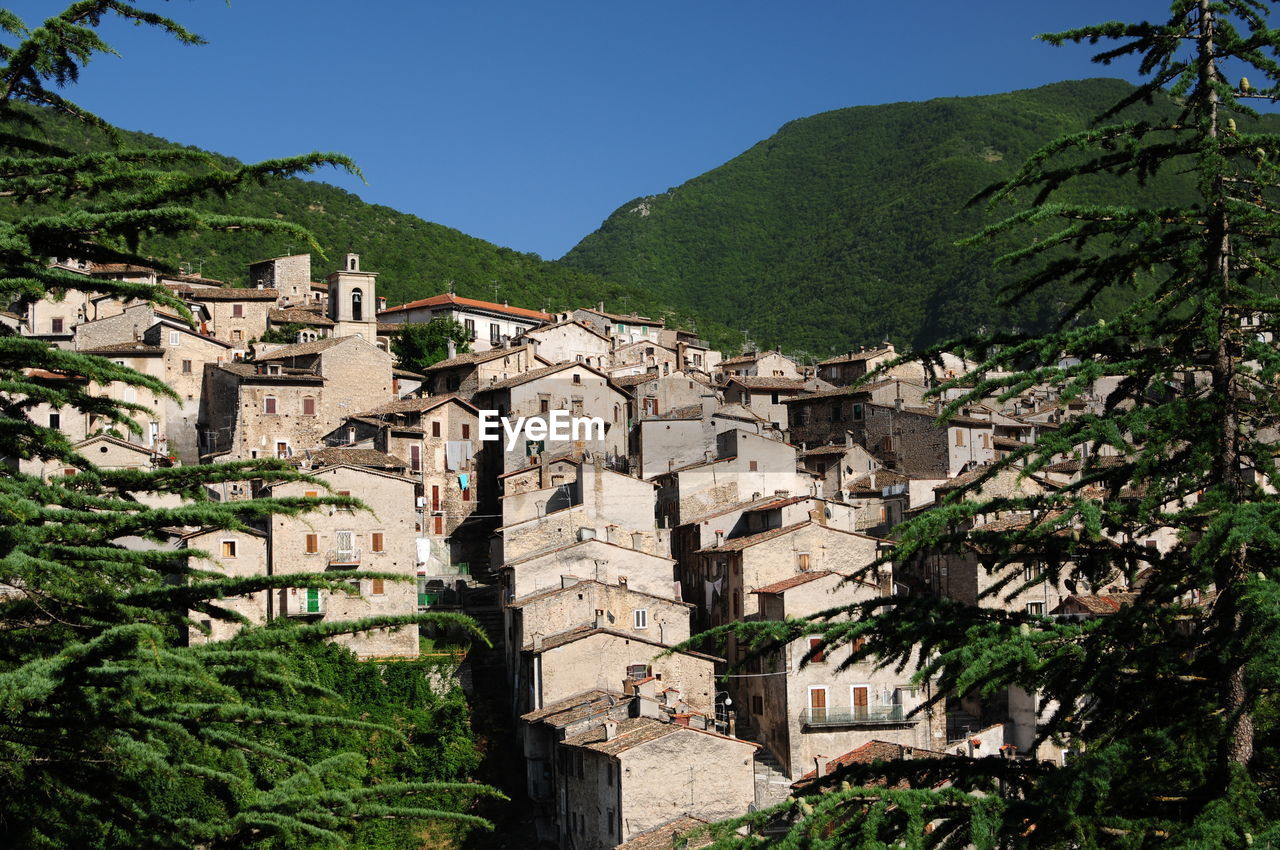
{"x": 610, "y": 730}
{"x": 600, "y": 308}
{"x": 897, "y": 404}
{"x": 821, "y": 763}
{"x": 719, "y": 538}
{"x": 537, "y": 643}
{"x": 453, "y": 349}
{"x": 600, "y": 619}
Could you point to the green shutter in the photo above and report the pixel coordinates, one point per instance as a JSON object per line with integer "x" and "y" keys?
{"x": 313, "y": 600}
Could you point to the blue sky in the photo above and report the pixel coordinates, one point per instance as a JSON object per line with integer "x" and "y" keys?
{"x": 526, "y": 123}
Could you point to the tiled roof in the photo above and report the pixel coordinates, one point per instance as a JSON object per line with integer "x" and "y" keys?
{"x": 737, "y": 544}
{"x": 249, "y": 370}
{"x": 136, "y": 347}
{"x": 579, "y": 632}
{"x": 552, "y": 591}
{"x": 564, "y": 323}
{"x": 741, "y": 359}
{"x": 470, "y": 358}
{"x": 826, "y": 450}
{"x": 356, "y": 457}
{"x": 795, "y": 581}
{"x": 1105, "y": 604}
{"x": 299, "y": 316}
{"x": 636, "y": 380}
{"x": 869, "y": 753}
{"x": 577, "y": 707}
{"x": 414, "y": 405}
{"x": 632, "y": 732}
{"x": 450, "y": 300}
{"x": 303, "y": 349}
{"x": 232, "y": 293}
{"x": 856, "y": 356}
{"x": 764, "y": 382}
{"x": 633, "y": 319}
{"x": 531, "y": 375}
{"x": 664, "y": 836}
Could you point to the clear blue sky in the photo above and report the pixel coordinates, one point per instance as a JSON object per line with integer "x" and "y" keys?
{"x": 526, "y": 122}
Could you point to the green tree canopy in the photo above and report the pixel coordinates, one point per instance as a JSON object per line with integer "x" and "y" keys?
{"x": 420, "y": 344}
{"x": 113, "y": 732}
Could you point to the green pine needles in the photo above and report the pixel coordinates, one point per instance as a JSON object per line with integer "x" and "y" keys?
{"x": 113, "y": 732}
{"x": 1168, "y": 704}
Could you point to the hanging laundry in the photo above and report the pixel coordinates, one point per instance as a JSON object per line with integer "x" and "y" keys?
{"x": 464, "y": 481}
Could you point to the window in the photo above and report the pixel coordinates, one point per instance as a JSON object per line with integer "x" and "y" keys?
{"x": 466, "y": 494}
{"x": 345, "y": 544}
{"x": 379, "y": 586}
{"x": 1031, "y": 572}
{"x": 435, "y": 497}
{"x": 415, "y": 457}
{"x": 282, "y": 451}
{"x": 802, "y": 561}
{"x": 435, "y": 429}
{"x": 818, "y": 701}
{"x": 466, "y": 431}
{"x": 56, "y": 326}
{"x": 186, "y": 367}
{"x": 55, "y": 420}
{"x": 310, "y": 494}
{"x": 757, "y": 704}
{"x": 313, "y": 544}
{"x": 637, "y": 671}
{"x": 495, "y": 333}
{"x": 237, "y": 336}
{"x": 577, "y": 379}
{"x": 175, "y": 338}
{"x": 640, "y": 618}
{"x": 959, "y": 436}
{"x": 470, "y": 325}
{"x": 308, "y": 406}
{"x": 376, "y": 540}
{"x": 544, "y": 405}
{"x": 1035, "y": 609}
{"x": 228, "y": 548}
{"x": 819, "y": 657}
{"x": 346, "y": 508}
{"x": 753, "y": 466}
{"x": 439, "y": 524}
{"x": 357, "y": 305}
{"x": 237, "y": 311}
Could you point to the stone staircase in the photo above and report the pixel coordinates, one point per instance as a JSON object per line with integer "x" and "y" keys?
{"x": 772, "y": 785}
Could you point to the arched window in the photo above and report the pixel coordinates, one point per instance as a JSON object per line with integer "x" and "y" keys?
{"x": 357, "y": 305}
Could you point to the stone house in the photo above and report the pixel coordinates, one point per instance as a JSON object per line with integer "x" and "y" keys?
{"x": 725, "y": 575}
{"x": 599, "y": 503}
{"x": 636, "y": 358}
{"x": 290, "y": 276}
{"x": 765, "y": 395}
{"x": 291, "y": 398}
{"x": 746, "y": 466}
{"x": 693, "y": 354}
{"x": 654, "y": 394}
{"x": 466, "y": 374}
{"x": 591, "y": 603}
{"x": 571, "y": 389}
{"x": 238, "y": 554}
{"x": 489, "y": 325}
{"x": 624, "y": 778}
{"x": 822, "y": 707}
{"x": 569, "y": 340}
{"x": 556, "y": 666}
{"x": 352, "y": 301}
{"x": 853, "y": 366}
{"x": 338, "y": 540}
{"x": 236, "y": 316}
{"x": 622, "y": 329}
{"x": 315, "y": 324}
{"x": 148, "y": 359}
{"x": 836, "y": 466}
{"x": 764, "y": 364}
{"x": 590, "y": 559}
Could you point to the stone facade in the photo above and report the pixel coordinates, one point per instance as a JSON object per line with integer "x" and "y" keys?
{"x": 378, "y": 540}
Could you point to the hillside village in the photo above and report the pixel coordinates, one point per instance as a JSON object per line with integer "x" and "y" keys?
{"x": 720, "y": 489}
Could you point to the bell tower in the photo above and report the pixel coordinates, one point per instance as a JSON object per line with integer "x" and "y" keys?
{"x": 353, "y": 300}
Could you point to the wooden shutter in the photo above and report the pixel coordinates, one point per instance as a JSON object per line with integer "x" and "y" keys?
{"x": 313, "y": 544}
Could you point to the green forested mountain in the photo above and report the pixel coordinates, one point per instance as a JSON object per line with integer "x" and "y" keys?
{"x": 414, "y": 258}
{"x": 840, "y": 228}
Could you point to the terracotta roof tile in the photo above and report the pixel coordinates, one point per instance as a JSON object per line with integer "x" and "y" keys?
{"x": 451, "y": 300}
{"x": 231, "y": 293}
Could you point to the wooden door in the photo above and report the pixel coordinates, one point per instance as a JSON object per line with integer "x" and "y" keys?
{"x": 860, "y": 697}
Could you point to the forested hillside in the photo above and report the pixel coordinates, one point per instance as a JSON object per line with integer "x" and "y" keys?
{"x": 840, "y": 229}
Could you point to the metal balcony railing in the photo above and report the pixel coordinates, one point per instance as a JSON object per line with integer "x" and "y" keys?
{"x": 860, "y": 716}
{"x": 344, "y": 558}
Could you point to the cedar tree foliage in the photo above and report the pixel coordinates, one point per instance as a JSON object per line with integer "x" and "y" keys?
{"x": 1169, "y": 703}
{"x": 113, "y": 732}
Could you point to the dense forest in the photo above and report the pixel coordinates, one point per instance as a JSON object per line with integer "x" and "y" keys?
{"x": 838, "y": 230}
{"x": 841, "y": 228}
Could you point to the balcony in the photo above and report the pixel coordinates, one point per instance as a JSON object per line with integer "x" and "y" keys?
{"x": 876, "y": 715}
{"x": 344, "y": 558}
